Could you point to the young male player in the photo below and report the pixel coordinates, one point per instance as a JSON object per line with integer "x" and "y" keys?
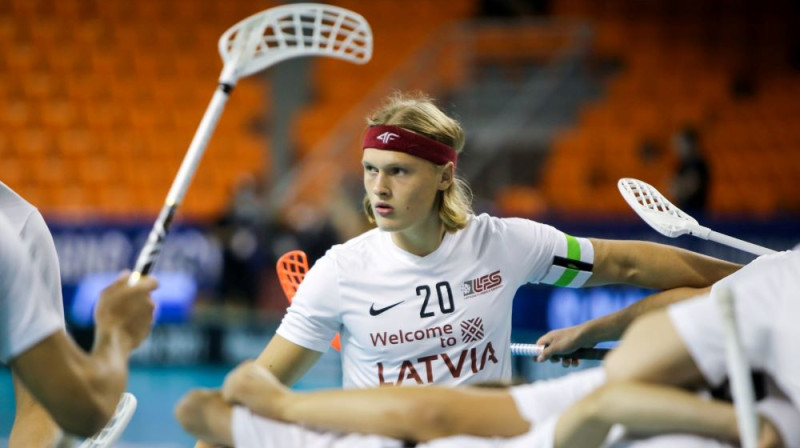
{"x": 426, "y": 297}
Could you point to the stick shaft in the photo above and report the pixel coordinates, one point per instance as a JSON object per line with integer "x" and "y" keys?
{"x": 736, "y": 243}
{"x": 536, "y": 350}
{"x": 149, "y": 254}
{"x": 738, "y": 370}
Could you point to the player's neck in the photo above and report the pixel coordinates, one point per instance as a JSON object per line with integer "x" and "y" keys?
{"x": 422, "y": 239}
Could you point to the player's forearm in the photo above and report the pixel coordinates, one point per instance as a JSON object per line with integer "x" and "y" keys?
{"x": 406, "y": 413}
{"x": 664, "y": 267}
{"x": 109, "y": 365}
{"x": 611, "y": 327}
{"x": 70, "y": 384}
{"x": 287, "y": 360}
{"x": 655, "y": 266}
{"x": 106, "y": 369}
{"x": 646, "y": 410}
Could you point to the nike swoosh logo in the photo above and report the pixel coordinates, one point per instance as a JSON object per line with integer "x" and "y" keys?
{"x": 374, "y": 312}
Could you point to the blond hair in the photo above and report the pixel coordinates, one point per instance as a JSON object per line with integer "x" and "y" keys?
{"x": 417, "y": 113}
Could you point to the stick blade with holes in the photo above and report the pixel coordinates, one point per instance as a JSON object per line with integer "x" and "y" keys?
{"x": 292, "y": 268}
{"x": 670, "y": 221}
{"x": 654, "y": 208}
{"x": 252, "y": 45}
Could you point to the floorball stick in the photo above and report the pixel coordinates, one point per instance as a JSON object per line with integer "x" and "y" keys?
{"x": 250, "y": 46}
{"x": 670, "y": 221}
{"x": 293, "y": 266}
{"x": 116, "y": 426}
{"x": 738, "y": 368}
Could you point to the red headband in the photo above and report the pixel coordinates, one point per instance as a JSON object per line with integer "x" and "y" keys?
{"x": 395, "y": 138}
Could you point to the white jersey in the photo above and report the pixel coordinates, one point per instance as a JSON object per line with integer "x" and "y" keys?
{"x": 443, "y": 318}
{"x": 29, "y": 225}
{"x": 767, "y": 308}
{"x": 25, "y": 319}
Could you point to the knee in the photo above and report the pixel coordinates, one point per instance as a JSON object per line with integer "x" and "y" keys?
{"x": 639, "y": 351}
{"x": 191, "y": 409}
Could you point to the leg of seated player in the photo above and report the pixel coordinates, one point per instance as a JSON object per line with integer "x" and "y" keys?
{"x": 685, "y": 343}
{"x": 206, "y": 416}
{"x": 647, "y": 410}
{"x": 653, "y": 351}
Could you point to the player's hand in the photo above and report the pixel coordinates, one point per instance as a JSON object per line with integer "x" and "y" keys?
{"x": 255, "y": 387}
{"x": 128, "y": 309}
{"x": 563, "y": 342}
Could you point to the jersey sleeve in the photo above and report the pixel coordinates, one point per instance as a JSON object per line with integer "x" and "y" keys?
{"x": 551, "y": 256}
{"x": 25, "y": 319}
{"x": 313, "y": 319}
{"x": 44, "y": 258}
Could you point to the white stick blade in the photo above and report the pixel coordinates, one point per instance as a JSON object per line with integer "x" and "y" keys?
{"x": 300, "y": 29}
{"x": 116, "y": 426}
{"x": 654, "y": 208}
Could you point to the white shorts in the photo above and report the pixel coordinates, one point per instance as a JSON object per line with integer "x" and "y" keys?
{"x": 767, "y": 307}
{"x": 253, "y": 431}
{"x": 543, "y": 399}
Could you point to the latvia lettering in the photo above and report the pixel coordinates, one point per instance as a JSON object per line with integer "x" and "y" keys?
{"x": 420, "y": 370}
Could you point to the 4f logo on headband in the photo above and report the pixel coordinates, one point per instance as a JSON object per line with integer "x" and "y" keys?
{"x": 387, "y": 136}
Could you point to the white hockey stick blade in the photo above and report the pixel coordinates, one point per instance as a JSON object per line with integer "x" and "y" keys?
{"x": 655, "y": 209}
{"x": 255, "y": 43}
{"x": 299, "y": 29}
{"x": 116, "y": 426}
{"x": 670, "y": 221}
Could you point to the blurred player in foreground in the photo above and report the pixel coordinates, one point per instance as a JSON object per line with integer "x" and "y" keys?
{"x": 32, "y": 425}
{"x": 681, "y": 346}
{"x": 557, "y": 413}
{"x": 79, "y": 391}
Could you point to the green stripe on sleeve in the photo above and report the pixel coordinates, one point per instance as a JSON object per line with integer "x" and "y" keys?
{"x": 573, "y": 248}
{"x": 573, "y": 253}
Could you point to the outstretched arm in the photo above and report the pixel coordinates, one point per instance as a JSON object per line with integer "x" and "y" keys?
{"x": 406, "y": 413}
{"x": 681, "y": 274}
{"x": 610, "y": 327}
{"x": 652, "y": 265}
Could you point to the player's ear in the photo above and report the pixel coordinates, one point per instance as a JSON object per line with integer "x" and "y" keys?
{"x": 446, "y": 175}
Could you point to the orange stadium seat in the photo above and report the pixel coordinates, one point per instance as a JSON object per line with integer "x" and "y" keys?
{"x": 677, "y": 71}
